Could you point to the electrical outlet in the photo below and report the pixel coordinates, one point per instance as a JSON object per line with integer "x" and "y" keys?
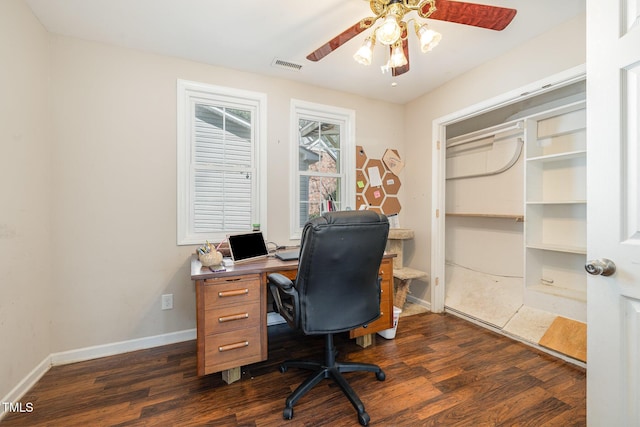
{"x": 167, "y": 301}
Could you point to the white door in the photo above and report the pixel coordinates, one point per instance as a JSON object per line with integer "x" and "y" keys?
{"x": 613, "y": 215}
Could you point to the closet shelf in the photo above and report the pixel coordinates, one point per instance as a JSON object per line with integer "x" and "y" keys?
{"x": 557, "y": 202}
{"x": 559, "y": 156}
{"x": 516, "y": 217}
{"x": 561, "y": 133}
{"x": 558, "y": 248}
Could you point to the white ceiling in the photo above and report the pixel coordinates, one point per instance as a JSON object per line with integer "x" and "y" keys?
{"x": 250, "y": 34}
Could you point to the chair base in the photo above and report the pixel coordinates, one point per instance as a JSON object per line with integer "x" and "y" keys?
{"x": 329, "y": 369}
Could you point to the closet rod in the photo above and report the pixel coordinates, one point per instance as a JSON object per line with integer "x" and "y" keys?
{"x": 484, "y": 133}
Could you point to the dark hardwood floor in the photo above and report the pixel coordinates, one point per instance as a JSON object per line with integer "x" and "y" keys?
{"x": 441, "y": 371}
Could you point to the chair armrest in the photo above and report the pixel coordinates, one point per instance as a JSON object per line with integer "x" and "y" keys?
{"x": 282, "y": 282}
{"x": 285, "y": 298}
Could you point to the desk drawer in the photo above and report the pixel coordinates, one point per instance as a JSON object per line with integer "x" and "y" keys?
{"x": 229, "y": 318}
{"x": 231, "y": 349}
{"x": 385, "y": 321}
{"x": 386, "y": 271}
{"x": 231, "y": 290}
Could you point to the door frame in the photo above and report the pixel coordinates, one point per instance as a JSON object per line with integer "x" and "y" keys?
{"x": 438, "y": 165}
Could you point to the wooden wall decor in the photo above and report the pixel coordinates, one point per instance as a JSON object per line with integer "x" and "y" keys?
{"x": 377, "y": 185}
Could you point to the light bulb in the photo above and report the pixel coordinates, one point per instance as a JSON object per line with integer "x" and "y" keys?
{"x": 389, "y": 31}
{"x": 365, "y": 53}
{"x": 397, "y": 58}
{"x": 428, "y": 37}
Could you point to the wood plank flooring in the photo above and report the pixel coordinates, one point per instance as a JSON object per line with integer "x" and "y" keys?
{"x": 441, "y": 371}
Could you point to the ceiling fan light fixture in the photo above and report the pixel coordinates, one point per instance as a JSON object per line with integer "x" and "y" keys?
{"x": 428, "y": 37}
{"x": 397, "y": 58}
{"x": 389, "y": 31}
{"x": 364, "y": 55}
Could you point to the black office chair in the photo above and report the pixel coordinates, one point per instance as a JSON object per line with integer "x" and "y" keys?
{"x": 337, "y": 289}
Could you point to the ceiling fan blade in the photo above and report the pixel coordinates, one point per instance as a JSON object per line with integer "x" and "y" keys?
{"x": 341, "y": 39}
{"x": 477, "y": 15}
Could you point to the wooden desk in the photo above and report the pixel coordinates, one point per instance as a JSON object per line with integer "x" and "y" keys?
{"x": 231, "y": 311}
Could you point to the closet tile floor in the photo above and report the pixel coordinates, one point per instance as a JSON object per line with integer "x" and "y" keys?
{"x": 488, "y": 298}
{"x": 495, "y": 300}
{"x": 529, "y": 323}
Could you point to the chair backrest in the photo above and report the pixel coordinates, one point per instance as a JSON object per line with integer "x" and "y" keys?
{"x": 337, "y": 280}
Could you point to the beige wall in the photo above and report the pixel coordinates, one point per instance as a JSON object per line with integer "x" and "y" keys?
{"x": 25, "y": 175}
{"x": 114, "y": 208}
{"x": 557, "y": 50}
{"x": 88, "y": 177}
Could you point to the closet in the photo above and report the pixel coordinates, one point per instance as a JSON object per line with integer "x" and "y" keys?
{"x": 515, "y": 233}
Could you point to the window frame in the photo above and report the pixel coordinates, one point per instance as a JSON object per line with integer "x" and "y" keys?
{"x": 188, "y": 94}
{"x": 326, "y": 113}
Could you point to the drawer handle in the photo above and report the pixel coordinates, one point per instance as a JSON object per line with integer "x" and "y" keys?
{"x": 234, "y": 293}
{"x": 233, "y": 317}
{"x": 233, "y": 346}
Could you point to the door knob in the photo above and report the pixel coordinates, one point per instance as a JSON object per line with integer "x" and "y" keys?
{"x": 600, "y": 267}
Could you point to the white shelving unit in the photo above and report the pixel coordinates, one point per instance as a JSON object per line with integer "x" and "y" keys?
{"x": 555, "y": 211}
{"x": 516, "y": 204}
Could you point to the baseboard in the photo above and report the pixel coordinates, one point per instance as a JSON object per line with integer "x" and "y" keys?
{"x": 111, "y": 349}
{"x": 420, "y": 302}
{"x": 26, "y": 383}
{"x": 493, "y": 328}
{"x": 514, "y": 337}
{"x": 94, "y": 352}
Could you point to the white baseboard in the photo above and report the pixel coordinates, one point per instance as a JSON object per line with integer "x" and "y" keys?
{"x": 26, "y": 383}
{"x": 420, "y": 302}
{"x": 94, "y": 352}
{"x": 111, "y": 349}
{"x": 514, "y": 337}
{"x": 485, "y": 325}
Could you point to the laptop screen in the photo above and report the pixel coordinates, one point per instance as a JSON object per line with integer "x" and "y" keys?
{"x": 247, "y": 246}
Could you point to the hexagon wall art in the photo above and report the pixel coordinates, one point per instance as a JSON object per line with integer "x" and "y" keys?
{"x": 377, "y": 182}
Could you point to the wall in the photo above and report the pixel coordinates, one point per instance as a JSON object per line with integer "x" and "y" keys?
{"x": 557, "y": 50}
{"x": 25, "y": 175}
{"x": 88, "y": 176}
{"x": 114, "y": 205}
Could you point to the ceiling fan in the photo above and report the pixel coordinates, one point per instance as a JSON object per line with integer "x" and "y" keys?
{"x": 393, "y": 32}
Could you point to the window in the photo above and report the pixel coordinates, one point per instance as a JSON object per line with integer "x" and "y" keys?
{"x": 322, "y": 175}
{"x": 221, "y": 173}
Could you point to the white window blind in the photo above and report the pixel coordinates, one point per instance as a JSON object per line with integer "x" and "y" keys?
{"x": 220, "y": 184}
{"x": 222, "y": 169}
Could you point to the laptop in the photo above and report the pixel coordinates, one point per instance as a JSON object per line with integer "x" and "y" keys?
{"x": 247, "y": 246}
{"x": 288, "y": 255}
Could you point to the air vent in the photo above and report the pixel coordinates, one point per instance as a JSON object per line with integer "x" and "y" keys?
{"x": 286, "y": 65}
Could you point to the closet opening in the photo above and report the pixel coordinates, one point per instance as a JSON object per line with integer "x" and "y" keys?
{"x": 512, "y": 178}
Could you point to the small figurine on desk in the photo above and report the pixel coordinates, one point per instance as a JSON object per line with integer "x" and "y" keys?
{"x": 208, "y": 255}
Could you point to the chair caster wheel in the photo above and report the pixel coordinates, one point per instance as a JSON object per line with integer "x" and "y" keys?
{"x": 283, "y": 369}
{"x": 380, "y": 376}
{"x": 287, "y": 414}
{"x": 363, "y": 419}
